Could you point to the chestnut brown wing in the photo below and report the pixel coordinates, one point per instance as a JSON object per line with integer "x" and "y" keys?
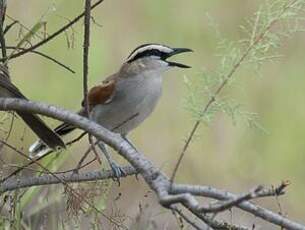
{"x": 101, "y": 94}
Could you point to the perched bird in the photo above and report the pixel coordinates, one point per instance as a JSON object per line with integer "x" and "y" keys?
{"x": 47, "y": 136}
{"x": 125, "y": 99}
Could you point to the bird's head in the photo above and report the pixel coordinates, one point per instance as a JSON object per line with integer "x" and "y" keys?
{"x": 153, "y": 57}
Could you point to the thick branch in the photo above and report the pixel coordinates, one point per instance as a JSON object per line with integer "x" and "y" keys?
{"x": 157, "y": 181}
{"x": 256, "y": 210}
{"x": 71, "y": 177}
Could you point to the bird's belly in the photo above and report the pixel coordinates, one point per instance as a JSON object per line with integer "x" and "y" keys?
{"x": 129, "y": 110}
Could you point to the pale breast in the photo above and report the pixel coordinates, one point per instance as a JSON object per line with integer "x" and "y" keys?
{"x": 134, "y": 100}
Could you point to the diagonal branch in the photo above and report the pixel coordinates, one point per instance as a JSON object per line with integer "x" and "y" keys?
{"x": 45, "y": 56}
{"x": 226, "y": 80}
{"x": 54, "y": 35}
{"x": 256, "y": 210}
{"x": 67, "y": 186}
{"x": 155, "y": 179}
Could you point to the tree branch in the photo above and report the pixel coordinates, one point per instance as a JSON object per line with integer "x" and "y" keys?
{"x": 54, "y": 35}
{"x": 226, "y": 78}
{"x": 86, "y": 45}
{"x": 2, "y": 38}
{"x": 45, "y": 56}
{"x": 156, "y": 180}
{"x": 256, "y": 210}
{"x": 71, "y": 177}
{"x": 86, "y": 53}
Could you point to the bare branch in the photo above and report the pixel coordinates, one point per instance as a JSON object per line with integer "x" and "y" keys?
{"x": 25, "y": 182}
{"x": 256, "y": 210}
{"x": 86, "y": 45}
{"x": 67, "y": 186}
{"x": 156, "y": 180}
{"x": 2, "y": 17}
{"x": 86, "y": 54}
{"x": 187, "y": 219}
{"x": 54, "y": 35}
{"x": 8, "y": 27}
{"x": 257, "y": 192}
{"x": 45, "y": 56}
{"x": 225, "y": 81}
{"x": 210, "y": 222}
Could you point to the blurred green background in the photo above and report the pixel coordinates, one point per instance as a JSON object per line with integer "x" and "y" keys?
{"x": 232, "y": 157}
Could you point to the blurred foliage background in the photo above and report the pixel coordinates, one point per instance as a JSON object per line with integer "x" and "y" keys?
{"x": 224, "y": 154}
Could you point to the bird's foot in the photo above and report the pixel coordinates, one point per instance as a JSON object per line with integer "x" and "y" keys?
{"x": 118, "y": 172}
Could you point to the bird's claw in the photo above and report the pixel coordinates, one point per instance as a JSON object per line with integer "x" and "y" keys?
{"x": 118, "y": 172}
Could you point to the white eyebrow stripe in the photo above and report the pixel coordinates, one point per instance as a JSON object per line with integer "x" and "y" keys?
{"x": 150, "y": 47}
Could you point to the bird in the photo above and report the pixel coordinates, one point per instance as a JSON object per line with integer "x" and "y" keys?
{"x": 126, "y": 98}
{"x": 47, "y": 136}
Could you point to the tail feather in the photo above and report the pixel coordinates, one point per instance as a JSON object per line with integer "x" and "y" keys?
{"x": 39, "y": 148}
{"x": 64, "y": 129}
{"x": 47, "y": 135}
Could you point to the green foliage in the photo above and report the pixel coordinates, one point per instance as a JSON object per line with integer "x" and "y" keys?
{"x": 274, "y": 157}
{"x": 264, "y": 33}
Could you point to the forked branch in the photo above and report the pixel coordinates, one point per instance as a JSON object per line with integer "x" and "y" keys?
{"x": 169, "y": 196}
{"x": 252, "y": 46}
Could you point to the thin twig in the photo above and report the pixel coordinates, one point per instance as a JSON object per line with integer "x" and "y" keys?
{"x": 21, "y": 26}
{"x": 85, "y": 75}
{"x": 45, "y": 56}
{"x": 75, "y": 193}
{"x": 8, "y": 27}
{"x": 3, "y": 5}
{"x": 80, "y": 167}
{"x": 76, "y": 139}
{"x": 2, "y": 43}
{"x": 30, "y": 169}
{"x": 258, "y": 192}
{"x": 57, "y": 172}
{"x": 2, "y": 38}
{"x": 86, "y": 45}
{"x": 33, "y": 161}
{"x": 226, "y": 78}
{"x": 209, "y": 222}
{"x": 186, "y": 218}
{"x": 55, "y": 34}
{"x": 83, "y": 158}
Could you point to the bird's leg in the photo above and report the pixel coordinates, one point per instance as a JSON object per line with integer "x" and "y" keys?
{"x": 124, "y": 136}
{"x": 116, "y": 169}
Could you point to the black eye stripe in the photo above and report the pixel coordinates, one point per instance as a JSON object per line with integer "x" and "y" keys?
{"x": 148, "y": 53}
{"x": 150, "y": 49}
{"x": 144, "y": 45}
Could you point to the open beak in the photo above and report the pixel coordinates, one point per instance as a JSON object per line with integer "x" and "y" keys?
{"x": 178, "y": 51}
